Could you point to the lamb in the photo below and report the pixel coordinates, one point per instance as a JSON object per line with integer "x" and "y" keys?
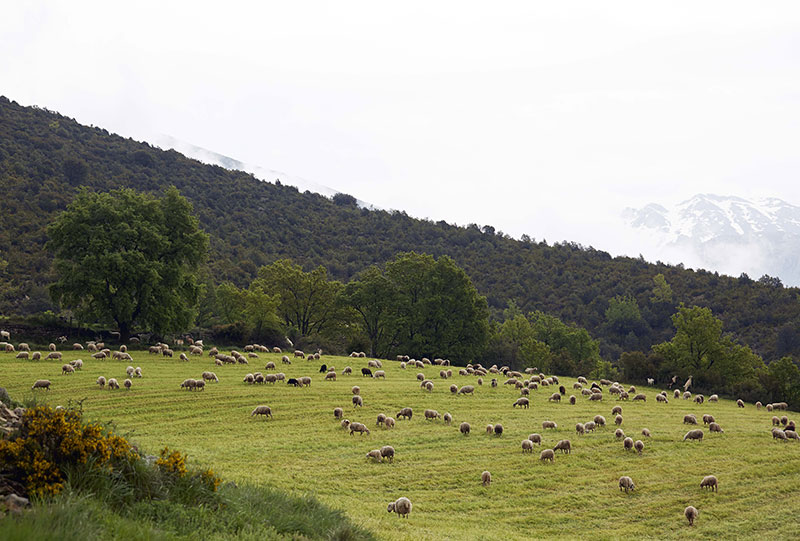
{"x": 564, "y": 446}
{"x": 113, "y": 384}
{"x": 431, "y": 414}
{"x": 338, "y": 413}
{"x": 580, "y": 429}
{"x": 521, "y": 402}
{"x": 388, "y": 423}
{"x": 626, "y": 483}
{"x": 618, "y": 420}
{"x": 101, "y": 381}
{"x": 67, "y": 369}
{"x": 646, "y": 433}
{"x": 527, "y": 446}
{"x": 486, "y": 478}
{"x": 376, "y": 455}
{"x": 599, "y": 420}
{"x": 709, "y": 481}
{"x": 627, "y": 444}
{"x": 448, "y": 418}
{"x": 640, "y": 396}
{"x": 740, "y": 403}
{"x": 695, "y": 434}
{"x": 549, "y": 424}
{"x": 127, "y": 383}
{"x": 619, "y": 434}
{"x": 358, "y": 401}
{"x": 498, "y": 430}
{"x": 387, "y": 452}
{"x": 639, "y": 446}
{"x": 401, "y": 506}
{"x": 691, "y": 513}
{"x": 466, "y": 389}
{"x": 547, "y": 454}
{"x": 689, "y": 419}
{"x": 405, "y": 413}
{"x": 41, "y": 384}
{"x": 358, "y": 427}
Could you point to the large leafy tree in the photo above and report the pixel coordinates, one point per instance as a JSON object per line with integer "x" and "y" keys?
{"x": 129, "y": 258}
{"x": 374, "y": 297}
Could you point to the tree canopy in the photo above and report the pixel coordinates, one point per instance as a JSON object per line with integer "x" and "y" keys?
{"x": 129, "y": 258}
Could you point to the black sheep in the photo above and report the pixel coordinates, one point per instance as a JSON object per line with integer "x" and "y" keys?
{"x": 293, "y": 381}
{"x": 366, "y": 372}
{"x": 323, "y": 369}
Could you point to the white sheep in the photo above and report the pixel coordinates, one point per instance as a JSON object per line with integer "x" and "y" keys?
{"x": 41, "y": 384}
{"x": 626, "y": 483}
{"x": 387, "y": 452}
{"x": 266, "y": 411}
{"x": 401, "y": 506}
{"x": 691, "y": 513}
{"x": 486, "y": 478}
{"x": 709, "y": 481}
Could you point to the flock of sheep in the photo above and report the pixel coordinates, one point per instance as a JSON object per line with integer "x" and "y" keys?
{"x": 783, "y": 428}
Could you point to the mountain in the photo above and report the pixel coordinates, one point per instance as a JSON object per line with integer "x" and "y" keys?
{"x": 200, "y": 154}
{"x": 45, "y": 158}
{"x": 725, "y": 233}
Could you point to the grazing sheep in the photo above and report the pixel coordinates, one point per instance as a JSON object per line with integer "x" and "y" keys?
{"x": 759, "y": 405}
{"x": 715, "y": 398}
{"x": 689, "y": 419}
{"x": 358, "y": 401}
{"x": 41, "y": 384}
{"x": 769, "y": 407}
{"x": 709, "y": 481}
{"x": 626, "y": 483}
{"x": 791, "y": 434}
{"x": 429, "y": 386}
{"x": 387, "y": 452}
{"x": 572, "y": 399}
{"x": 619, "y": 434}
{"x": 305, "y": 381}
{"x": 358, "y": 427}
{"x": 466, "y": 389}
{"x": 784, "y": 420}
{"x": 381, "y": 419}
{"x": 494, "y": 382}
{"x": 447, "y": 418}
{"x": 687, "y": 395}
{"x": 646, "y": 433}
{"x": 52, "y": 347}
{"x": 589, "y": 427}
{"x": 330, "y": 376}
{"x": 616, "y": 410}
{"x": 285, "y": 360}
{"x": 490, "y": 429}
{"x": 699, "y": 399}
{"x": 101, "y": 381}
{"x": 298, "y": 353}
{"x": 183, "y": 357}
{"x": 401, "y": 506}
{"x": 431, "y": 414}
{"x": 627, "y": 444}
{"x": 405, "y": 413}
{"x": 9, "y": 348}
{"x": 695, "y": 434}
{"x": 186, "y": 384}
{"x": 366, "y": 372}
{"x": 547, "y": 454}
{"x": 708, "y": 419}
{"x": 67, "y": 369}
{"x": 338, "y": 413}
{"x": 129, "y": 371}
{"x": 345, "y": 423}
{"x": 596, "y": 396}
{"x": 521, "y": 402}
{"x": 564, "y": 446}
{"x": 778, "y": 434}
{"x": 618, "y": 420}
{"x": 555, "y": 397}
{"x": 640, "y": 396}
{"x": 549, "y": 424}
{"x": 249, "y": 378}
{"x": 527, "y": 446}
{"x": 36, "y": 356}
{"x": 22, "y": 355}
{"x": 486, "y": 478}
{"x": 580, "y": 429}
{"x": 376, "y": 455}
{"x": 662, "y": 398}
{"x": 113, "y": 384}
{"x": 639, "y": 446}
{"x": 676, "y": 394}
{"x": 740, "y": 403}
{"x": 356, "y": 389}
{"x": 208, "y": 376}
{"x": 453, "y": 389}
{"x": 127, "y": 383}
{"x": 599, "y": 420}
{"x": 691, "y": 513}
{"x": 388, "y": 423}
{"x": 535, "y": 438}
{"x": 56, "y": 355}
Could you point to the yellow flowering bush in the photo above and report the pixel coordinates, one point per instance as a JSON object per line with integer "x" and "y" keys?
{"x": 172, "y": 462}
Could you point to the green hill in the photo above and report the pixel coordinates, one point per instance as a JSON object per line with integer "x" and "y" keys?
{"x": 45, "y": 157}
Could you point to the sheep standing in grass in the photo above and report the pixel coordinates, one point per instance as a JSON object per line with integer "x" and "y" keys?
{"x": 405, "y": 413}
{"x": 387, "y": 452}
{"x": 619, "y": 434}
{"x": 522, "y": 402}
{"x": 580, "y": 429}
{"x": 547, "y": 454}
{"x": 740, "y": 403}
{"x": 714, "y": 427}
{"x": 338, "y": 413}
{"x": 67, "y": 369}
{"x": 691, "y": 513}
{"x": 127, "y": 383}
{"x": 646, "y": 433}
{"x": 381, "y": 419}
{"x": 549, "y": 424}
{"x": 358, "y": 427}
{"x": 490, "y": 429}
{"x": 618, "y": 420}
{"x": 639, "y": 446}
{"x": 388, "y": 423}
{"x": 589, "y": 427}
{"x": 41, "y": 384}
{"x": 689, "y": 419}
{"x": 599, "y": 420}
{"x": 357, "y": 401}
{"x": 709, "y": 481}
{"x": 345, "y": 423}
{"x": 113, "y": 384}
{"x": 401, "y": 506}
{"x": 431, "y": 414}
{"x": 696, "y": 434}
{"x": 527, "y": 446}
{"x": 564, "y": 446}
{"x": 486, "y": 478}
{"x": 626, "y": 483}
{"x": 466, "y": 389}
{"x": 627, "y": 444}
{"x": 535, "y": 438}
{"x": 101, "y": 381}
{"x": 447, "y": 418}
{"x": 464, "y": 428}
{"x": 375, "y": 454}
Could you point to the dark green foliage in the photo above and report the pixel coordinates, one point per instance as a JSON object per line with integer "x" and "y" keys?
{"x": 253, "y": 223}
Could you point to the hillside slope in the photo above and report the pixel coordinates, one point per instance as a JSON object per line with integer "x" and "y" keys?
{"x": 45, "y": 157}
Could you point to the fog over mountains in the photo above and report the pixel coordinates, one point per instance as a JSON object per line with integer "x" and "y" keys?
{"x": 724, "y": 233}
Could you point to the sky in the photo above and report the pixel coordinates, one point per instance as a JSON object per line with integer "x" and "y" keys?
{"x": 543, "y": 118}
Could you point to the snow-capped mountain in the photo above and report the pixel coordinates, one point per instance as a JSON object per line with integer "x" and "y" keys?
{"x": 189, "y": 150}
{"x": 724, "y": 233}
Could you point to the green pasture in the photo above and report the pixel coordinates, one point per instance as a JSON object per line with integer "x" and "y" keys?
{"x": 303, "y": 449}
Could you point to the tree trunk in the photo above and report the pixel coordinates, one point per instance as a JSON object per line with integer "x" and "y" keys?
{"x": 124, "y": 333}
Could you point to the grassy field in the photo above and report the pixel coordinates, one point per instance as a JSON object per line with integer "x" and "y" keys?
{"x": 303, "y": 449}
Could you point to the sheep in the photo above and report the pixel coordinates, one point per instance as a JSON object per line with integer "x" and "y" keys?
{"x": 305, "y": 381}
{"x": 366, "y": 372}
{"x": 709, "y": 481}
{"x": 99, "y": 355}
{"x": 429, "y": 386}
{"x": 494, "y": 382}
{"x": 555, "y": 397}
{"x": 345, "y": 423}
{"x": 708, "y": 419}
{"x": 41, "y": 384}
{"x": 127, "y": 383}
{"x": 113, "y": 384}
{"x": 298, "y": 353}
{"x": 490, "y": 429}
{"x": 521, "y": 402}
{"x": 580, "y": 429}
{"x": 466, "y": 389}
{"x": 277, "y": 350}
{"x": 387, "y": 452}
{"x": 715, "y": 398}
{"x": 646, "y": 433}
{"x": 599, "y": 420}
{"x": 572, "y": 400}
{"x": 527, "y": 446}
{"x": 498, "y": 430}
{"x": 209, "y": 376}
{"x": 627, "y": 444}
{"x": 480, "y": 381}
{"x": 791, "y": 434}
{"x": 36, "y": 356}
{"x": 549, "y": 424}
{"x": 740, "y": 403}
{"x": 285, "y": 360}
{"x": 784, "y": 420}
{"x": 447, "y": 418}
{"x": 5, "y": 335}
{"x": 405, "y": 413}
{"x": 695, "y": 434}
{"x": 358, "y": 427}
{"x": 330, "y": 376}
{"x": 358, "y": 401}
{"x": 626, "y": 483}
{"x": 596, "y": 396}
{"x": 778, "y": 434}
{"x": 129, "y": 371}
{"x": 486, "y": 478}
{"x": 662, "y": 398}
{"x": 338, "y": 413}
{"x": 639, "y": 446}
{"x": 401, "y": 506}
{"x": 690, "y": 513}
{"x": 589, "y": 426}
{"x": 699, "y": 399}
{"x": 535, "y": 438}
{"x": 618, "y": 420}
{"x": 453, "y": 389}
{"x": 759, "y": 405}
{"x": 676, "y": 394}
{"x": 67, "y": 369}
{"x": 376, "y": 455}
{"x": 56, "y": 355}
{"x": 77, "y": 364}
{"x": 9, "y": 348}
{"x": 431, "y": 415}
{"x": 22, "y": 355}
{"x": 388, "y": 423}
{"x": 547, "y": 454}
{"x": 616, "y": 410}
{"x": 689, "y": 419}
{"x": 187, "y": 384}
{"x": 687, "y": 395}
{"x": 381, "y": 419}
{"x": 564, "y": 446}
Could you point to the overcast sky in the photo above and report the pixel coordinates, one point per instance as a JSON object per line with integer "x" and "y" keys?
{"x": 545, "y": 118}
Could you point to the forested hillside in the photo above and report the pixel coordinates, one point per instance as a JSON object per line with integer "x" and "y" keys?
{"x": 45, "y": 157}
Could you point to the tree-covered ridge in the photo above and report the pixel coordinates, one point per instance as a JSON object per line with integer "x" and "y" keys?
{"x": 624, "y": 304}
